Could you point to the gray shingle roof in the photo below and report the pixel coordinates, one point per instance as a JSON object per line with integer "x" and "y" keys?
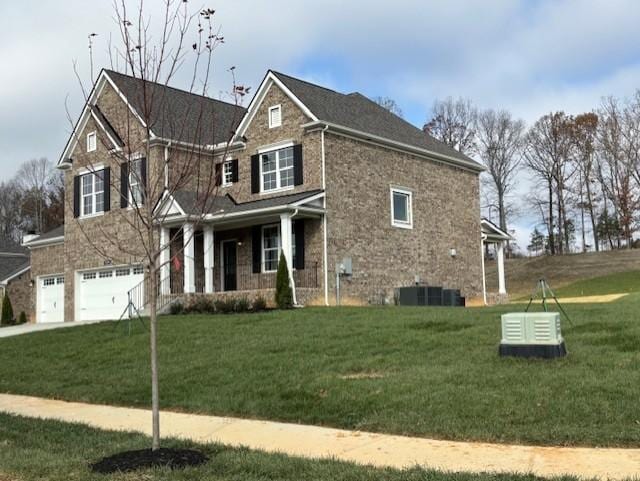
{"x": 52, "y": 234}
{"x": 180, "y": 115}
{"x": 9, "y": 246}
{"x": 225, "y": 204}
{"x": 12, "y": 265}
{"x": 357, "y": 112}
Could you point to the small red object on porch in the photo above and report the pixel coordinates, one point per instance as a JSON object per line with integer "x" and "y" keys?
{"x": 177, "y": 265}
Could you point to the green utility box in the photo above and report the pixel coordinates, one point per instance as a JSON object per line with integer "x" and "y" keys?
{"x": 532, "y": 334}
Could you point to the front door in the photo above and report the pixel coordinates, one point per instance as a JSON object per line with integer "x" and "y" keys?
{"x": 229, "y": 268}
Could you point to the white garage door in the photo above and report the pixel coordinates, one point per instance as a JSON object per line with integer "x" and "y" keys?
{"x": 51, "y": 299}
{"x": 103, "y": 293}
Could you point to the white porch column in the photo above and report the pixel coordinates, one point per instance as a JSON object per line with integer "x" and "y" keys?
{"x": 189, "y": 259}
{"x": 165, "y": 266}
{"x": 286, "y": 236}
{"x": 501, "y": 284}
{"x": 208, "y": 259}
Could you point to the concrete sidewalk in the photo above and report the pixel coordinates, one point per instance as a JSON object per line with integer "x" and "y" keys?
{"x": 11, "y": 331}
{"x": 363, "y": 448}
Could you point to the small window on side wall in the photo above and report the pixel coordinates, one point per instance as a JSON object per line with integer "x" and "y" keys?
{"x": 91, "y": 142}
{"x": 401, "y": 208}
{"x": 275, "y": 116}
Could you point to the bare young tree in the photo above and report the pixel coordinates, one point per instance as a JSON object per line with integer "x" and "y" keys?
{"x": 500, "y": 141}
{"x": 183, "y": 153}
{"x": 389, "y": 104}
{"x": 453, "y": 122}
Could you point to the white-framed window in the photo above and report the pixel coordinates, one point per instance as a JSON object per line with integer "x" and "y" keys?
{"x": 275, "y": 116}
{"x": 401, "y": 208}
{"x": 138, "y": 270}
{"x": 92, "y": 140}
{"x": 92, "y": 185}
{"x": 60, "y": 280}
{"x": 270, "y": 247}
{"x": 50, "y": 281}
{"x": 135, "y": 182}
{"x": 87, "y": 276}
{"x": 277, "y": 169}
{"x": 105, "y": 274}
{"x": 227, "y": 173}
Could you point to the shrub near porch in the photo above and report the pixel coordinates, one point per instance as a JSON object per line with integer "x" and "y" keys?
{"x": 429, "y": 372}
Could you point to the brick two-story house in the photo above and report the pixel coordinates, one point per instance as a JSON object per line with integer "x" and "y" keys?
{"x": 321, "y": 176}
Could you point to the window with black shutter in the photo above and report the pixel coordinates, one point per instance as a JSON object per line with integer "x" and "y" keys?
{"x": 255, "y": 174}
{"x": 298, "y": 177}
{"x": 298, "y": 244}
{"x": 256, "y": 248}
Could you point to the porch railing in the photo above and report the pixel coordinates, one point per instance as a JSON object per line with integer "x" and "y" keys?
{"x": 242, "y": 278}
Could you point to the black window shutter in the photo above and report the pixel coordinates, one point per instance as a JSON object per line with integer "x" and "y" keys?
{"x": 143, "y": 178}
{"x": 235, "y": 174}
{"x": 256, "y": 248}
{"x": 218, "y": 174}
{"x": 124, "y": 184}
{"x": 255, "y": 174}
{"x": 297, "y": 165}
{"x": 106, "y": 177}
{"x": 76, "y": 196}
{"x": 298, "y": 228}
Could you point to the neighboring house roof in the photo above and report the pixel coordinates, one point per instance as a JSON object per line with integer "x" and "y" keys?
{"x": 53, "y": 236}
{"x": 357, "y": 112}
{"x": 9, "y": 246}
{"x": 178, "y": 114}
{"x": 493, "y": 232}
{"x": 225, "y": 204}
{"x": 10, "y": 267}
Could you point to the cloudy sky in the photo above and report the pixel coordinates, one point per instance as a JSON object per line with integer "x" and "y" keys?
{"x": 527, "y": 56}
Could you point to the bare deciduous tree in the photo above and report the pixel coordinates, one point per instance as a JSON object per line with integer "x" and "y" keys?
{"x": 34, "y": 178}
{"x": 389, "y": 104}
{"x": 500, "y": 140}
{"x": 453, "y": 122}
{"x": 186, "y": 153}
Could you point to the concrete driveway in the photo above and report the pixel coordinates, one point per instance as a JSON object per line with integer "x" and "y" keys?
{"x": 29, "y": 328}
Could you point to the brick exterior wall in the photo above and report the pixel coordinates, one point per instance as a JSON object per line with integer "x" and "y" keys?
{"x": 259, "y": 135}
{"x": 446, "y": 214}
{"x": 21, "y": 295}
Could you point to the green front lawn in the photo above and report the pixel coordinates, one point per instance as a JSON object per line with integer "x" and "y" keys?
{"x": 33, "y": 450}
{"x": 619, "y": 283}
{"x": 430, "y": 372}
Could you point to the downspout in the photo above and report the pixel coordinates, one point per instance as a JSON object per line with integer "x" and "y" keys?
{"x": 291, "y": 281}
{"x": 324, "y": 222}
{"x": 483, "y": 237}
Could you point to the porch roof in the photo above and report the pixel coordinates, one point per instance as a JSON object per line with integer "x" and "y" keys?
{"x": 189, "y": 204}
{"x": 493, "y": 233}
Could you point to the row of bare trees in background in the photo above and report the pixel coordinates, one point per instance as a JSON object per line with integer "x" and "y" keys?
{"x": 579, "y": 174}
{"x": 33, "y": 200}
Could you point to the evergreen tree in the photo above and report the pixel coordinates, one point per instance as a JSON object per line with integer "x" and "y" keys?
{"x": 537, "y": 242}
{"x": 284, "y": 294}
{"x": 22, "y": 318}
{"x": 6, "y": 318}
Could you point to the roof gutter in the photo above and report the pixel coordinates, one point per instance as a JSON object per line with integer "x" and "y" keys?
{"x": 247, "y": 214}
{"x": 44, "y": 242}
{"x": 376, "y": 139}
{"x": 215, "y": 148}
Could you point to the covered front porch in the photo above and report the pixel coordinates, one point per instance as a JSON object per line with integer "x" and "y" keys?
{"x": 493, "y": 235}
{"x": 238, "y": 252}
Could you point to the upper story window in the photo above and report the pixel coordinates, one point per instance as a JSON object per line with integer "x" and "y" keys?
{"x": 275, "y": 116}
{"x": 92, "y": 197}
{"x": 401, "y": 208}
{"x": 91, "y": 141}
{"x": 227, "y": 173}
{"x": 277, "y": 169}
{"x": 135, "y": 182}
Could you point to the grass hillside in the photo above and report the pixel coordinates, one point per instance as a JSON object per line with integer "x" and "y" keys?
{"x": 560, "y": 271}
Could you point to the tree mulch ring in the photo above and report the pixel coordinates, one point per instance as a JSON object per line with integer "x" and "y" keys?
{"x": 146, "y": 458}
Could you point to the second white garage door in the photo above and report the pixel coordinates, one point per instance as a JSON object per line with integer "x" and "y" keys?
{"x": 103, "y": 292}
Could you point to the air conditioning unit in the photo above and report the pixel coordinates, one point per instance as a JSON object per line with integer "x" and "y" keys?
{"x": 532, "y": 334}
